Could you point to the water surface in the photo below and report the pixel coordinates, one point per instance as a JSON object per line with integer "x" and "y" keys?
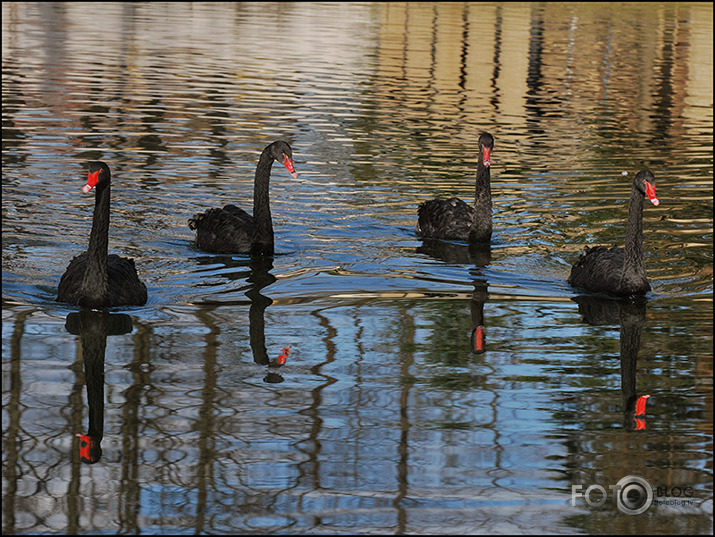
{"x": 384, "y": 419}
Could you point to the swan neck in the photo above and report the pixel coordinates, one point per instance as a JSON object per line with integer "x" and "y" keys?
{"x": 481, "y": 229}
{"x": 95, "y": 279}
{"x": 262, "y": 237}
{"x": 482, "y": 186}
{"x": 633, "y": 263}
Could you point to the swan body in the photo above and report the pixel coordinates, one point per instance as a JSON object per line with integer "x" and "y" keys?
{"x": 95, "y": 279}
{"x": 619, "y": 271}
{"x": 454, "y": 219}
{"x": 124, "y": 286}
{"x": 231, "y": 230}
{"x": 223, "y": 230}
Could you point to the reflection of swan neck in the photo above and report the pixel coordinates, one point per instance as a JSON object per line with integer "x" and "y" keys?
{"x": 94, "y": 378}
{"x": 256, "y": 330}
{"x": 93, "y": 327}
{"x": 260, "y": 278}
{"x": 631, "y": 320}
{"x": 479, "y": 297}
{"x": 94, "y": 343}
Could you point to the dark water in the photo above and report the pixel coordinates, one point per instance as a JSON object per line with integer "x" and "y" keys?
{"x": 384, "y": 418}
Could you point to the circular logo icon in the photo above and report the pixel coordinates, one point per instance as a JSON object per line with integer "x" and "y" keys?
{"x": 634, "y": 495}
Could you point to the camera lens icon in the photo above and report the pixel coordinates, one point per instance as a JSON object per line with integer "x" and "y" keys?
{"x": 634, "y": 495}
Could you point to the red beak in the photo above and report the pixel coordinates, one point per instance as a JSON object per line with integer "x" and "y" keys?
{"x": 650, "y": 192}
{"x": 486, "y": 156}
{"x": 92, "y": 179}
{"x": 640, "y": 405}
{"x": 288, "y": 163}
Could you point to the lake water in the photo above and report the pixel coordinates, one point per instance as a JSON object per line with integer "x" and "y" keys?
{"x": 385, "y": 418}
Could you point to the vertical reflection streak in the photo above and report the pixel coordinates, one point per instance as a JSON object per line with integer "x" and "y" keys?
{"x": 11, "y": 436}
{"x": 310, "y": 469}
{"x": 129, "y": 504}
{"x": 206, "y": 422}
{"x": 403, "y": 466}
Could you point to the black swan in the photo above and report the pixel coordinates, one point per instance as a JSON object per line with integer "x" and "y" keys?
{"x": 619, "y": 271}
{"x": 453, "y": 219}
{"x": 94, "y": 279}
{"x": 232, "y": 230}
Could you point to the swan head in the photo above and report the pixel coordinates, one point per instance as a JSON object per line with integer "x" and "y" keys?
{"x": 98, "y": 173}
{"x": 645, "y": 181}
{"x": 486, "y": 145}
{"x": 282, "y": 152}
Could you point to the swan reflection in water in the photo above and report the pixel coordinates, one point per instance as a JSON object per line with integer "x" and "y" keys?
{"x": 259, "y": 279}
{"x": 630, "y": 315}
{"x": 479, "y": 256}
{"x": 93, "y": 327}
{"x": 256, "y": 271}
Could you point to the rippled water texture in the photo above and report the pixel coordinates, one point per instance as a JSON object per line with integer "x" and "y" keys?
{"x": 391, "y": 415}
